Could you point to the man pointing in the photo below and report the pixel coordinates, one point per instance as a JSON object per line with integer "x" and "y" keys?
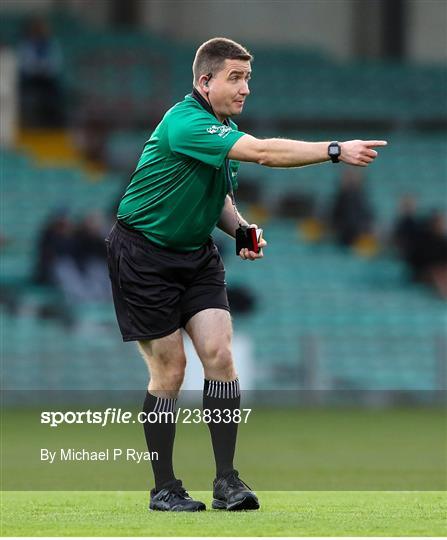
{"x": 166, "y": 272}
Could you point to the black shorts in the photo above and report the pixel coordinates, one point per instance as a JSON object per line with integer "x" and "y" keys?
{"x": 157, "y": 290}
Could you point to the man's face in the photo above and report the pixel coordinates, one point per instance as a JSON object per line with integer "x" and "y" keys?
{"x": 228, "y": 89}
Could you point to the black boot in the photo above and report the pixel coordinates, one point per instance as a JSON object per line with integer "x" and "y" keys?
{"x": 231, "y": 493}
{"x": 174, "y": 498}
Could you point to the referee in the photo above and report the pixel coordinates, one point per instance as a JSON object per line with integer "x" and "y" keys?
{"x": 166, "y": 272}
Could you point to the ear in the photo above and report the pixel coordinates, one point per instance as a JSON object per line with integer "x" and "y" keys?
{"x": 204, "y": 83}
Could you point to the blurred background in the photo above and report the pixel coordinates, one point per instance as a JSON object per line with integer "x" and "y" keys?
{"x": 351, "y": 295}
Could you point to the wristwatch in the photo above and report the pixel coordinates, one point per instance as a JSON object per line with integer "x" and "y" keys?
{"x": 334, "y": 151}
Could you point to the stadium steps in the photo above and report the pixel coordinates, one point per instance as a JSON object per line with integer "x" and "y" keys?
{"x": 55, "y": 148}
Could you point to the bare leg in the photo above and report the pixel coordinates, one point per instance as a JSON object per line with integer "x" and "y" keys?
{"x": 166, "y": 362}
{"x": 211, "y": 332}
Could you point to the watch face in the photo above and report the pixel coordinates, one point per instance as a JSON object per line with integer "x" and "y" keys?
{"x": 334, "y": 150}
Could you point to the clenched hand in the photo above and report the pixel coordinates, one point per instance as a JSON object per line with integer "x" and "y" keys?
{"x": 248, "y": 255}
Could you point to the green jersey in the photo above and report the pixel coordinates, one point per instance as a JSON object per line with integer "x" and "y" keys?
{"x": 177, "y": 192}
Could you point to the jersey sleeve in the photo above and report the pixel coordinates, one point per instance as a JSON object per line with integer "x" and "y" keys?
{"x": 202, "y": 137}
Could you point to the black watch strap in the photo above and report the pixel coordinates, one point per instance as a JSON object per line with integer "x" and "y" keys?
{"x": 334, "y": 151}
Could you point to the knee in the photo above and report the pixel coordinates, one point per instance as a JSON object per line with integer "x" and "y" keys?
{"x": 170, "y": 373}
{"x": 174, "y": 377}
{"x": 219, "y": 363}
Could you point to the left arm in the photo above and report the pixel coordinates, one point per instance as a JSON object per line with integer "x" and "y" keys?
{"x": 228, "y": 224}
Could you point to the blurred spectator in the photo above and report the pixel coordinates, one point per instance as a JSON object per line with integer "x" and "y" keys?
{"x": 242, "y": 300}
{"x": 56, "y": 244}
{"x": 296, "y": 205}
{"x": 427, "y": 255}
{"x": 91, "y": 256}
{"x": 351, "y": 215}
{"x": 406, "y": 227}
{"x": 73, "y": 258}
{"x": 8, "y": 297}
{"x": 40, "y": 65}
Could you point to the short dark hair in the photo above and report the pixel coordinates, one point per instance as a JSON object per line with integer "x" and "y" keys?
{"x": 211, "y": 55}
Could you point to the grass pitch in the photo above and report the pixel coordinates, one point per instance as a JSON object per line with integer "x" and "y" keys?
{"x": 386, "y": 470}
{"x": 282, "y": 514}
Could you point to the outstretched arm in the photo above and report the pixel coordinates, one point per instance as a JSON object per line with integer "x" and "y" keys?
{"x": 290, "y": 153}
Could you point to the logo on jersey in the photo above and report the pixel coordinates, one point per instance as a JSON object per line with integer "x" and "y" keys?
{"x": 222, "y": 131}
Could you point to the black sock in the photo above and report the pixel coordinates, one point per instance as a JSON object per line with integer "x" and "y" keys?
{"x": 160, "y": 438}
{"x": 222, "y": 395}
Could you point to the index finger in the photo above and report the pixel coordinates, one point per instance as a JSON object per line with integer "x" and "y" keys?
{"x": 375, "y": 143}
